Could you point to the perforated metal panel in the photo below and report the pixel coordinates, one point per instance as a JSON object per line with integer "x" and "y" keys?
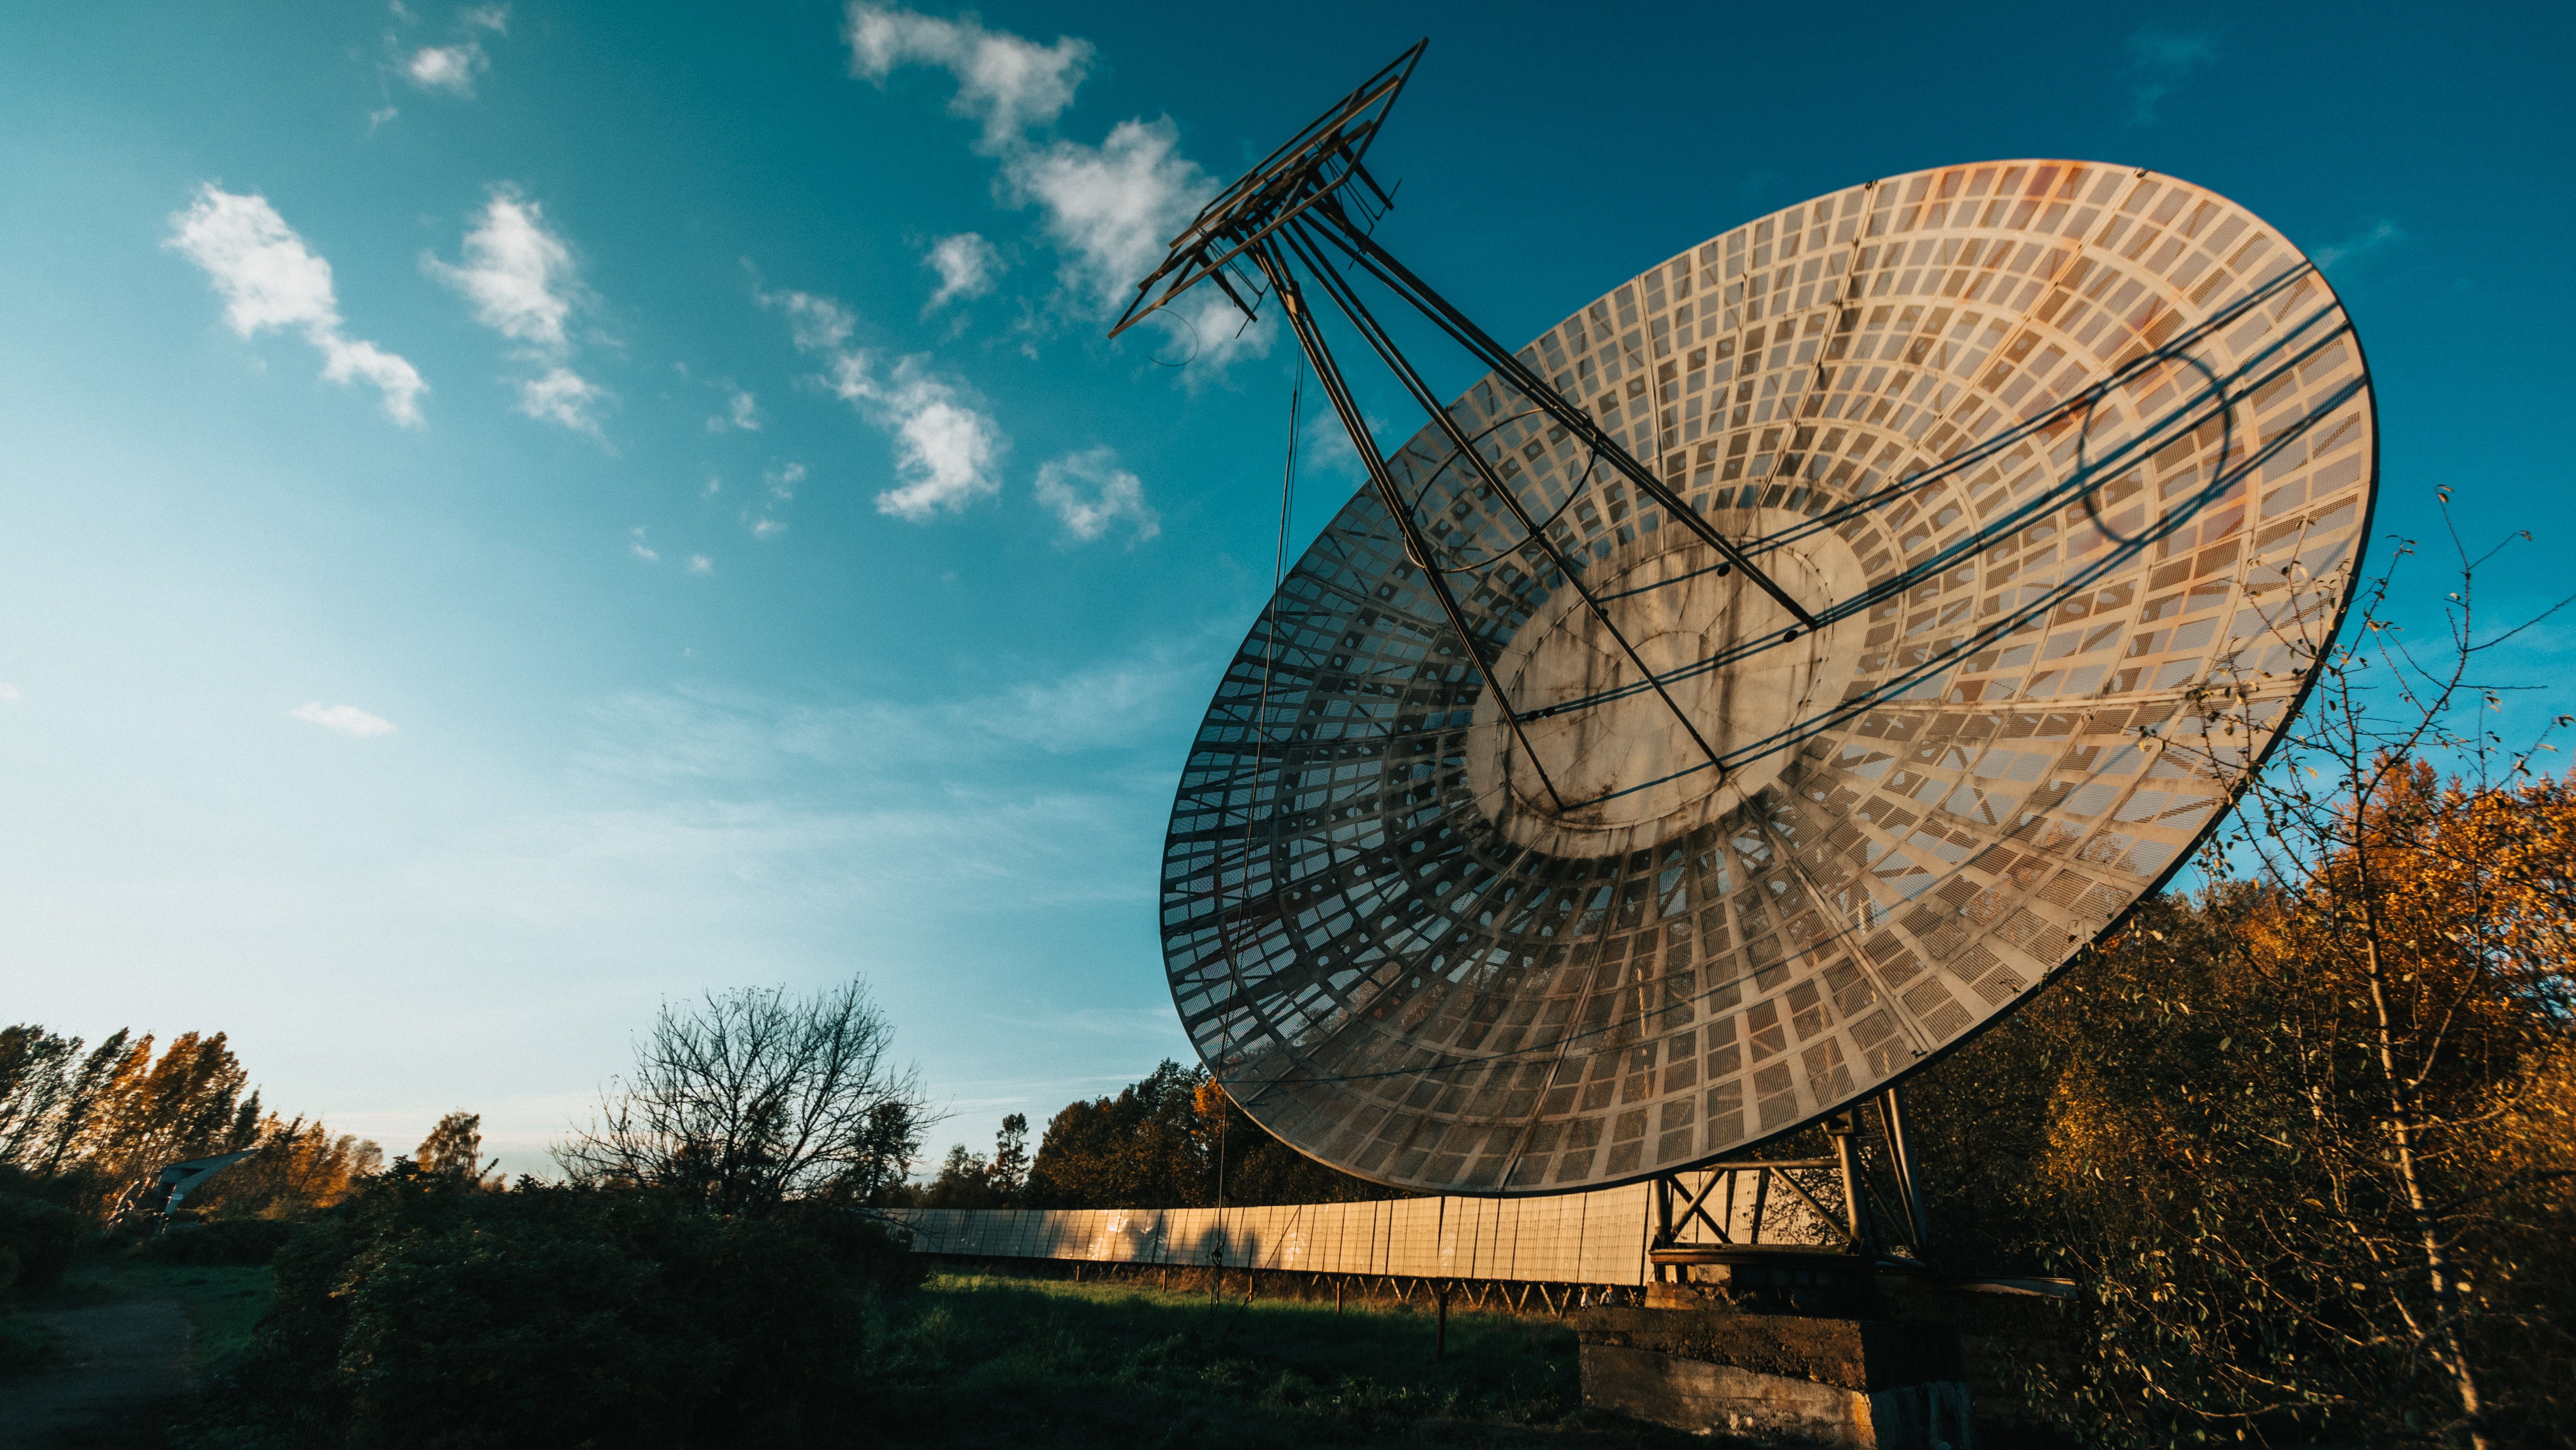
{"x": 2072, "y": 462}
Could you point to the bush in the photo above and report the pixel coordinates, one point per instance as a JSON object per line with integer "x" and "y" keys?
{"x": 39, "y": 1237}
{"x": 424, "y": 1314}
{"x": 223, "y": 1241}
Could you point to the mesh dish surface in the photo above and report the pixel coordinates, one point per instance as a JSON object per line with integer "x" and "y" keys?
{"x": 2074, "y": 462}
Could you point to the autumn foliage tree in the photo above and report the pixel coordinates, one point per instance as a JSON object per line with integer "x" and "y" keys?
{"x": 2304, "y": 1137}
{"x": 1175, "y": 1139}
{"x": 114, "y": 1116}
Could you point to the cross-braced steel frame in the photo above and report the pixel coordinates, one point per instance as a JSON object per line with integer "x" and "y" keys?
{"x": 1879, "y": 1219}
{"x": 1305, "y": 214}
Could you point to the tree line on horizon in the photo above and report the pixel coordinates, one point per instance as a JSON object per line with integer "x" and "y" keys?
{"x": 95, "y": 1125}
{"x": 1172, "y": 1139}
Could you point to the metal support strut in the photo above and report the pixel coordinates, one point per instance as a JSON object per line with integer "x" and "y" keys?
{"x": 1879, "y": 1219}
{"x": 1278, "y": 220}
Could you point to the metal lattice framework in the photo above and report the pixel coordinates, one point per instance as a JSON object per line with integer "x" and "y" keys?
{"x": 1763, "y": 679}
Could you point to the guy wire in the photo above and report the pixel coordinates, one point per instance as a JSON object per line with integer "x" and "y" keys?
{"x": 1261, "y": 723}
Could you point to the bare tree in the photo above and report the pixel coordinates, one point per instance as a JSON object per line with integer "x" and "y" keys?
{"x": 750, "y": 1098}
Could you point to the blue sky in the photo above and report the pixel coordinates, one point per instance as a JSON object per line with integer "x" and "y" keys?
{"x": 511, "y": 513}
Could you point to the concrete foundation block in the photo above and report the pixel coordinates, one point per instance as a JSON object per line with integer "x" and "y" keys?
{"x": 1881, "y": 1384}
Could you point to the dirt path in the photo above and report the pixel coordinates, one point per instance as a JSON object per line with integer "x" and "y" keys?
{"x": 121, "y": 1381}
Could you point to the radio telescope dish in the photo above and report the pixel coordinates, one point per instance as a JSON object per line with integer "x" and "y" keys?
{"x": 2070, "y": 465}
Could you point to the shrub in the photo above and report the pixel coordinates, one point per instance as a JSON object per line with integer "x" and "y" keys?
{"x": 224, "y": 1241}
{"x": 40, "y": 1237}
{"x": 425, "y": 1314}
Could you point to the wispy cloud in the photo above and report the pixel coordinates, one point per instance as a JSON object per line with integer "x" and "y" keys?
{"x": 1088, "y": 492}
{"x": 636, "y": 546}
{"x": 563, "y": 396}
{"x": 701, "y": 564}
{"x": 1006, "y": 82}
{"x": 448, "y": 68}
{"x": 742, "y": 412}
{"x": 2360, "y": 244}
{"x": 948, "y": 450}
{"x": 269, "y": 278}
{"x": 10, "y": 694}
{"x": 346, "y": 720}
{"x": 966, "y": 264}
{"x": 451, "y": 69}
{"x": 728, "y": 738}
{"x": 2160, "y": 60}
{"x": 764, "y": 522}
{"x": 518, "y": 275}
{"x": 521, "y": 281}
{"x": 1108, "y": 209}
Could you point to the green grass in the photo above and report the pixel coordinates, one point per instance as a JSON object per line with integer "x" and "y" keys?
{"x": 222, "y": 1303}
{"x": 976, "y": 1361}
{"x": 25, "y": 1347}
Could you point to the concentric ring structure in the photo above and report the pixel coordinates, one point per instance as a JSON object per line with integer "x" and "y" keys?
{"x": 2073, "y": 462}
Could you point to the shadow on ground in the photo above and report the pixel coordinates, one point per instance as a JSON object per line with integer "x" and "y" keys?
{"x": 973, "y": 1361}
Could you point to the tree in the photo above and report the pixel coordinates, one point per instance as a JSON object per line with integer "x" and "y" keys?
{"x": 749, "y": 1099}
{"x": 967, "y": 1179}
{"x": 1137, "y": 1150}
{"x": 1009, "y": 1174}
{"x": 49, "y": 1090}
{"x": 453, "y": 1150}
{"x": 1176, "y": 1140}
{"x": 152, "y": 1113}
{"x": 2303, "y": 1136}
{"x": 299, "y": 1168}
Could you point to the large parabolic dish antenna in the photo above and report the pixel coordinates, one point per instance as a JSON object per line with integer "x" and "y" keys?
{"x": 2071, "y": 466}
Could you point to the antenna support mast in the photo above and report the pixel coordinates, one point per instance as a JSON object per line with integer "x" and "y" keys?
{"x": 1304, "y": 215}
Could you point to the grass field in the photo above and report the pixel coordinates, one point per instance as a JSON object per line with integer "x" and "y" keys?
{"x": 222, "y": 1304}
{"x": 977, "y": 1361}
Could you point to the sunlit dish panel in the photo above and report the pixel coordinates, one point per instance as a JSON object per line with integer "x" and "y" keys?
{"x": 2073, "y": 461}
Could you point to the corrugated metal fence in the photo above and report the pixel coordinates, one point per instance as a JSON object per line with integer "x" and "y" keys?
{"x": 1578, "y": 1238}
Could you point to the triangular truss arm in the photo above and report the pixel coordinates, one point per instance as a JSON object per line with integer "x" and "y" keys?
{"x": 1307, "y": 210}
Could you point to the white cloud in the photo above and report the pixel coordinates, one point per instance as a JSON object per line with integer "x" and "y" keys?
{"x": 1110, "y": 209}
{"x": 452, "y": 68}
{"x": 818, "y": 324}
{"x": 563, "y": 396}
{"x": 269, "y": 279}
{"x": 518, "y": 275}
{"x": 742, "y": 411}
{"x": 346, "y": 720}
{"x": 1088, "y": 492}
{"x": 947, "y": 449}
{"x": 10, "y": 694}
{"x": 640, "y": 549}
{"x": 521, "y": 281}
{"x": 1007, "y": 82}
{"x": 449, "y": 68}
{"x": 966, "y": 264}
{"x": 701, "y": 564}
{"x": 379, "y": 117}
{"x": 782, "y": 489}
